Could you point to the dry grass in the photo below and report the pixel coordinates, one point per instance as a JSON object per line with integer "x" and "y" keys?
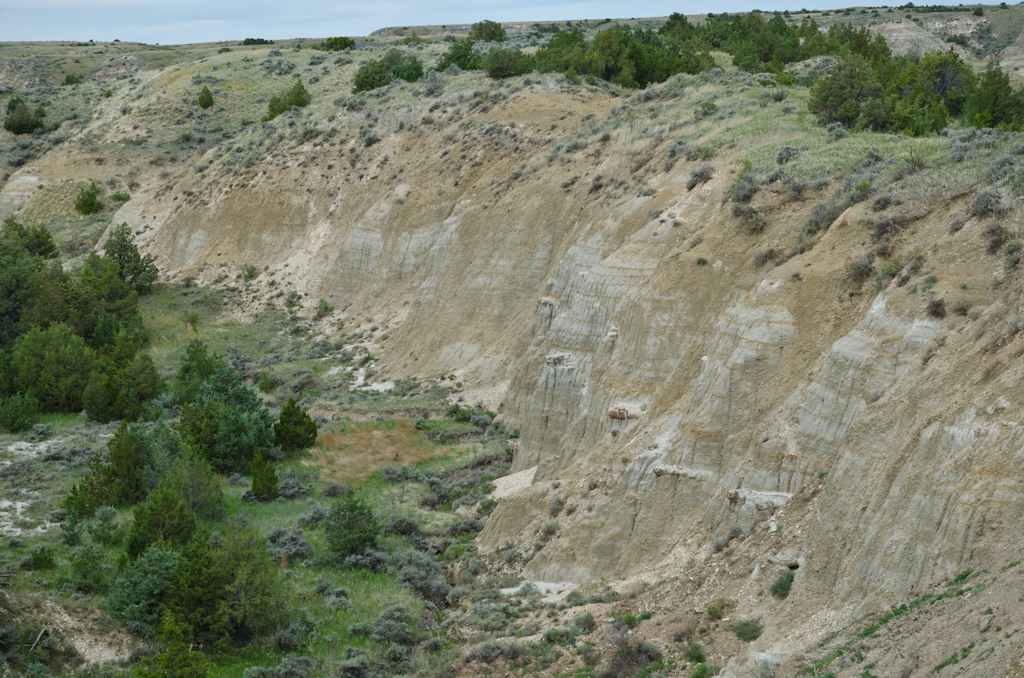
{"x": 365, "y": 447}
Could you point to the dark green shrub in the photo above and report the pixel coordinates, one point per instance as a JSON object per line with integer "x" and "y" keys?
{"x": 193, "y": 478}
{"x": 375, "y": 73}
{"x": 336, "y": 44}
{"x": 42, "y": 558}
{"x": 20, "y": 120}
{"x": 205, "y": 98}
{"x": 228, "y": 436}
{"x": 296, "y": 96}
{"x": 196, "y": 592}
{"x": 257, "y": 41}
{"x": 264, "y": 479}
{"x": 138, "y": 271}
{"x": 90, "y": 572}
{"x": 138, "y": 594}
{"x": 198, "y": 365}
{"x": 53, "y": 366}
{"x": 71, "y": 79}
{"x": 380, "y": 72}
{"x": 177, "y": 660}
{"x": 120, "y": 196}
{"x": 104, "y": 531}
{"x": 995, "y": 103}
{"x": 351, "y": 528}
{"x": 71, "y": 530}
{"x": 249, "y": 272}
{"x": 164, "y": 517}
{"x": 748, "y": 630}
{"x": 323, "y": 309}
{"x": 782, "y": 585}
{"x": 18, "y": 412}
{"x": 88, "y": 200}
{"x": 487, "y": 31}
{"x": 705, "y": 671}
{"x": 694, "y": 653}
{"x": 267, "y": 384}
{"x": 507, "y": 63}
{"x": 461, "y": 55}
{"x": 255, "y": 602}
{"x": 126, "y": 389}
{"x": 120, "y": 479}
{"x": 295, "y": 430}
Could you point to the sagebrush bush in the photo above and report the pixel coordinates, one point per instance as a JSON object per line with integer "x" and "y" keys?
{"x": 699, "y": 176}
{"x": 836, "y": 131}
{"x": 289, "y": 542}
{"x": 745, "y": 187}
{"x": 785, "y": 154}
{"x": 822, "y": 216}
{"x": 986, "y": 201}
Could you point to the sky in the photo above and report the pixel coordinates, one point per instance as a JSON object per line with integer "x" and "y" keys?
{"x": 187, "y": 21}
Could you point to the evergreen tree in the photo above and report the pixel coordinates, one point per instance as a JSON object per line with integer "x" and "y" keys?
{"x": 255, "y": 601}
{"x": 295, "y": 430}
{"x": 118, "y": 480}
{"x": 164, "y": 518}
{"x": 193, "y": 478}
{"x": 54, "y": 366}
{"x": 199, "y": 364}
{"x": 138, "y": 593}
{"x": 178, "y": 659}
{"x": 995, "y": 103}
{"x": 351, "y": 527}
{"x": 138, "y": 271}
{"x": 196, "y": 592}
{"x": 205, "y": 97}
{"x": 264, "y": 478}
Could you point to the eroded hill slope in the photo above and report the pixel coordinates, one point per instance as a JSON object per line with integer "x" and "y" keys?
{"x": 686, "y": 366}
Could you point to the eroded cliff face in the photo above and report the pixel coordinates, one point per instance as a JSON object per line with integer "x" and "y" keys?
{"x": 677, "y": 385}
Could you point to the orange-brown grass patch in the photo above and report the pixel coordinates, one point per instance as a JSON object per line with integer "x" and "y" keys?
{"x": 367, "y": 446}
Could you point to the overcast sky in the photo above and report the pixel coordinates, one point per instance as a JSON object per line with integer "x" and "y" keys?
{"x": 183, "y": 21}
